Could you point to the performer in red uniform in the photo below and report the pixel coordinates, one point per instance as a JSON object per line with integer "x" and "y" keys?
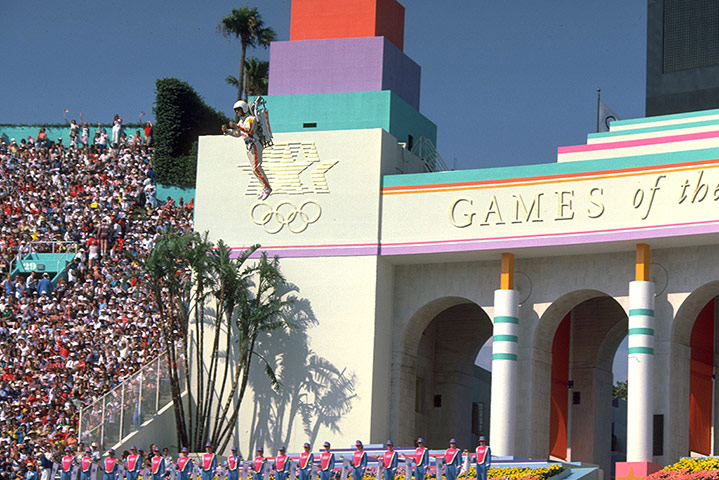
{"x": 209, "y": 463}
{"x": 233, "y": 465}
{"x": 258, "y": 464}
{"x": 306, "y": 461}
{"x": 483, "y": 459}
{"x": 421, "y": 459}
{"x": 327, "y": 462}
{"x": 359, "y": 461}
{"x": 282, "y": 465}
{"x": 134, "y": 464}
{"x": 184, "y": 465}
{"x": 111, "y": 466}
{"x": 452, "y": 461}
{"x": 389, "y": 461}
{"x": 66, "y": 464}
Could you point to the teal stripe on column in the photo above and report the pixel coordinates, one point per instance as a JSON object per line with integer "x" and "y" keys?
{"x": 645, "y": 312}
{"x": 647, "y": 350}
{"x": 506, "y": 320}
{"x": 504, "y": 356}
{"x": 641, "y": 331}
{"x": 504, "y": 338}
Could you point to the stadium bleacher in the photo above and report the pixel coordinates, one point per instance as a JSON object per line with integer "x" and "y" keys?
{"x": 63, "y": 347}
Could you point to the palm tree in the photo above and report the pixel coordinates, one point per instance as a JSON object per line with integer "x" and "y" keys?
{"x": 198, "y": 289}
{"x": 246, "y": 24}
{"x": 256, "y": 76}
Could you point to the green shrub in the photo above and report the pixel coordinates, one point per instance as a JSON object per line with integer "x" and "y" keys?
{"x": 180, "y": 117}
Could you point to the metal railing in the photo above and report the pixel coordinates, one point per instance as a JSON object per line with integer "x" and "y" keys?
{"x": 126, "y": 407}
{"x": 424, "y": 149}
{"x": 67, "y": 248}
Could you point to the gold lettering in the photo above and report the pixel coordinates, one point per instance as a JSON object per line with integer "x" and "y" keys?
{"x": 595, "y": 198}
{"x": 564, "y": 203}
{"x": 465, "y": 217}
{"x": 527, "y": 213}
{"x": 493, "y": 209}
{"x": 701, "y": 190}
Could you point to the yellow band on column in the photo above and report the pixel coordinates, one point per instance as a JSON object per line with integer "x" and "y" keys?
{"x": 642, "y": 263}
{"x": 506, "y": 280}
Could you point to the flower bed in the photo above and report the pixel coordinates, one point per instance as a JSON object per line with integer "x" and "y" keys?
{"x": 704, "y": 468}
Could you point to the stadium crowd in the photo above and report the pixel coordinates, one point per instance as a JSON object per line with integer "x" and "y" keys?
{"x": 63, "y": 347}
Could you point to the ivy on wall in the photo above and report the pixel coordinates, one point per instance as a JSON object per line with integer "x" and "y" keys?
{"x": 180, "y": 117}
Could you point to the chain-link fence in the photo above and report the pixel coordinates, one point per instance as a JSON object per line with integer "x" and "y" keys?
{"x": 125, "y": 408}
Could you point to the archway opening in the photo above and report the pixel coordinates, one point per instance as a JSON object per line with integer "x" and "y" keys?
{"x": 582, "y": 354}
{"x": 693, "y": 396}
{"x": 701, "y": 381}
{"x": 452, "y": 393}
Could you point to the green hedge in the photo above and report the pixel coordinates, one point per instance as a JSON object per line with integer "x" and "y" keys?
{"x": 180, "y": 117}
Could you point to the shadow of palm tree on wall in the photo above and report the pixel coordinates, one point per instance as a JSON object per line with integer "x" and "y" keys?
{"x": 312, "y": 389}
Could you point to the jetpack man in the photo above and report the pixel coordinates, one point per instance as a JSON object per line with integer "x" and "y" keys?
{"x": 253, "y": 128}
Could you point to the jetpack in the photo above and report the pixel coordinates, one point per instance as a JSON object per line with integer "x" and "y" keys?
{"x": 258, "y": 109}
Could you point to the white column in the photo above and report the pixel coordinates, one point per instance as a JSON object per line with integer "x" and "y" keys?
{"x": 502, "y": 423}
{"x": 640, "y": 398}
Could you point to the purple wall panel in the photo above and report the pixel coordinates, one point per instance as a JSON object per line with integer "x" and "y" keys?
{"x": 342, "y": 65}
{"x": 401, "y": 74}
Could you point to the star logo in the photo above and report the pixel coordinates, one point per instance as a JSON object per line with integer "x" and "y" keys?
{"x": 293, "y": 168}
{"x": 630, "y": 475}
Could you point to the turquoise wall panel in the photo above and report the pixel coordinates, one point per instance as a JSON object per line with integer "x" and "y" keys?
{"x": 348, "y": 111}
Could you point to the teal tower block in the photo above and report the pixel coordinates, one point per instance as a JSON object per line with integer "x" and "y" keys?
{"x": 350, "y": 111}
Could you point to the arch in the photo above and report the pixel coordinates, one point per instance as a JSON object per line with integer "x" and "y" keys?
{"x": 553, "y": 316}
{"x": 598, "y": 325}
{"x": 689, "y": 310}
{"x": 452, "y": 330}
{"x": 692, "y": 397}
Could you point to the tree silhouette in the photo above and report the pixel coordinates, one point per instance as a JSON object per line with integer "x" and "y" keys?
{"x": 256, "y": 76}
{"x": 246, "y": 24}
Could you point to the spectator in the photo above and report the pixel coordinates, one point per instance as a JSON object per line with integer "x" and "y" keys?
{"x": 44, "y": 285}
{"x": 148, "y": 134}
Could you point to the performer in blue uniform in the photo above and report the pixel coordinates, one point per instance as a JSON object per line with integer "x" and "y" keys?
{"x": 157, "y": 465}
{"x": 421, "y": 460}
{"x": 67, "y": 462}
{"x": 209, "y": 463}
{"x": 452, "y": 461}
{"x": 483, "y": 459}
{"x": 327, "y": 462}
{"x": 359, "y": 461}
{"x": 282, "y": 465}
{"x": 133, "y": 462}
{"x": 233, "y": 465}
{"x": 390, "y": 459}
{"x": 306, "y": 461}
{"x": 86, "y": 465}
{"x": 184, "y": 465}
{"x": 258, "y": 464}
{"x": 110, "y": 466}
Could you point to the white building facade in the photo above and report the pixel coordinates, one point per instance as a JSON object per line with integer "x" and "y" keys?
{"x": 404, "y": 277}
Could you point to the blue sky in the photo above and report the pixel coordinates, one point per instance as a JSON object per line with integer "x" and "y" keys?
{"x": 507, "y": 82}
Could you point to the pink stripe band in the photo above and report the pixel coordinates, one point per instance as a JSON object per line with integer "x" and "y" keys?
{"x": 637, "y": 143}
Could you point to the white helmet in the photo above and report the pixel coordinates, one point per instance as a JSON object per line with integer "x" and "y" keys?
{"x": 242, "y": 105}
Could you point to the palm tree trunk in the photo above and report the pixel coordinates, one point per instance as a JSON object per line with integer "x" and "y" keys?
{"x": 241, "y": 87}
{"x": 228, "y": 345}
{"x": 224, "y": 435}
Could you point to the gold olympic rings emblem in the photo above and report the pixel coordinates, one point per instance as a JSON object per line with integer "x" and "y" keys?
{"x": 285, "y": 213}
